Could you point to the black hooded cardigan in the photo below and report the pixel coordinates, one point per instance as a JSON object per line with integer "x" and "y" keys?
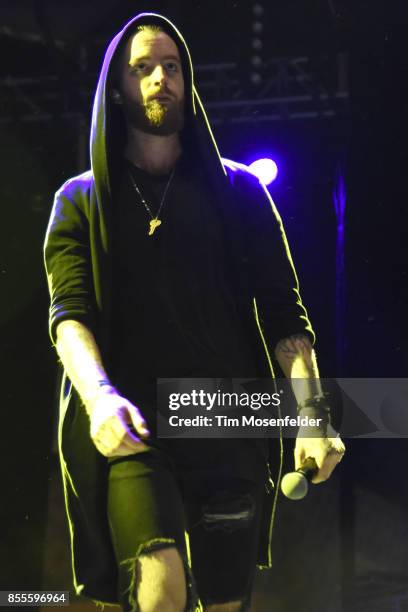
{"x": 78, "y": 263}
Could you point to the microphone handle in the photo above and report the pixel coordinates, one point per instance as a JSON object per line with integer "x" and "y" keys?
{"x": 308, "y": 468}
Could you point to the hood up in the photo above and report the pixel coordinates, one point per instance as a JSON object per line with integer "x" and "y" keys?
{"x": 108, "y": 128}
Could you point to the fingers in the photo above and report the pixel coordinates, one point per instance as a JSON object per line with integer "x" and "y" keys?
{"x": 138, "y": 422}
{"x": 326, "y": 466}
{"x": 327, "y": 452}
{"x": 326, "y": 463}
{"x": 118, "y": 440}
{"x": 300, "y": 456}
{"x": 111, "y": 427}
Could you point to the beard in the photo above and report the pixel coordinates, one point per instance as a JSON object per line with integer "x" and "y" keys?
{"x": 156, "y": 118}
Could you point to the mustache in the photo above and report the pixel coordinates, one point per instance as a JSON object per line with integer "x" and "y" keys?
{"x": 160, "y": 94}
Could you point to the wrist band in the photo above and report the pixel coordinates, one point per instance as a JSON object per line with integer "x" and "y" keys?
{"x": 319, "y": 403}
{"x": 104, "y": 382}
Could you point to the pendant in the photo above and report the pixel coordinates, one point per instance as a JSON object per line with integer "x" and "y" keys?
{"x": 153, "y": 224}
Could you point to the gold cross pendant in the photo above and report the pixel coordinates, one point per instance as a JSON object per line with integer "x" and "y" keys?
{"x": 153, "y": 224}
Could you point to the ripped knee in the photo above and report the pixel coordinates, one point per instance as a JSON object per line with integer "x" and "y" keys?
{"x": 228, "y": 512}
{"x": 160, "y": 578}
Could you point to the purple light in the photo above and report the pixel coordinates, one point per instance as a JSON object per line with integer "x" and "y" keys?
{"x": 265, "y": 169}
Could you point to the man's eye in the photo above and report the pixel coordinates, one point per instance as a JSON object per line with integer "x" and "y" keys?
{"x": 171, "y": 67}
{"x": 140, "y": 67}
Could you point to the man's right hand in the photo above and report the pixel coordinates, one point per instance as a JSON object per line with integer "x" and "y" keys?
{"x": 110, "y": 415}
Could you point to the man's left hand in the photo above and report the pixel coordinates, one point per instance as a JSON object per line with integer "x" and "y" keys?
{"x": 327, "y": 450}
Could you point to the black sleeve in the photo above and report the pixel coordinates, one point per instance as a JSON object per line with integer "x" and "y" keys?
{"x": 273, "y": 277}
{"x": 67, "y": 262}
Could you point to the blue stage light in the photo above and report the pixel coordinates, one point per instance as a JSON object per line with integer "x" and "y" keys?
{"x": 265, "y": 169}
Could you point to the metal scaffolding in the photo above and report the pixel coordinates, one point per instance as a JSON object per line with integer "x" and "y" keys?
{"x": 293, "y": 88}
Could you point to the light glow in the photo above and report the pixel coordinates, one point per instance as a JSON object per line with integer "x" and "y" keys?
{"x": 265, "y": 169}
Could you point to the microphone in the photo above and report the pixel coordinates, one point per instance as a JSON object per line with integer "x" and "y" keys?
{"x": 295, "y": 485}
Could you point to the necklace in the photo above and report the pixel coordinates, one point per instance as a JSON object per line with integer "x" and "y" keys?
{"x": 154, "y": 220}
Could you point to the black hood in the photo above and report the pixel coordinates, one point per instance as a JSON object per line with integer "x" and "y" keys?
{"x": 107, "y": 138}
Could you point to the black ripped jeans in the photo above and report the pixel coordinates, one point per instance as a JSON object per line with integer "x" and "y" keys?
{"x": 151, "y": 505}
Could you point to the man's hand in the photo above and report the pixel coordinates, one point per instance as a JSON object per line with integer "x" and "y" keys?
{"x": 298, "y": 361}
{"x": 110, "y": 415}
{"x": 327, "y": 450}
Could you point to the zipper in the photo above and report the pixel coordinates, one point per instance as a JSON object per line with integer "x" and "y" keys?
{"x": 270, "y": 483}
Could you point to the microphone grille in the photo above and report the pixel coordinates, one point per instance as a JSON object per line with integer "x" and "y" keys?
{"x": 294, "y": 485}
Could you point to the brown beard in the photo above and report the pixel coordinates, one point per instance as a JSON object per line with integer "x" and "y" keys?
{"x": 156, "y": 118}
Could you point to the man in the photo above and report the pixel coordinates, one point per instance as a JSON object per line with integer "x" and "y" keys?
{"x": 166, "y": 261}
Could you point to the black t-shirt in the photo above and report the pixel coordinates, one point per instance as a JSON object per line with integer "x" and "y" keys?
{"x": 173, "y": 310}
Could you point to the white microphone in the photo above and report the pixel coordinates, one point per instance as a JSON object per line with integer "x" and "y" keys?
{"x": 295, "y": 485}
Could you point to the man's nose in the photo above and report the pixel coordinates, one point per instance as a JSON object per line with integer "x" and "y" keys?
{"x": 158, "y": 75}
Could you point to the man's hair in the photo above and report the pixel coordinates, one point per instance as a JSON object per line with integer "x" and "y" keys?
{"x": 149, "y": 27}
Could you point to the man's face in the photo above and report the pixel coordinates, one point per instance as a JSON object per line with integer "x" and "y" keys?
{"x": 152, "y": 84}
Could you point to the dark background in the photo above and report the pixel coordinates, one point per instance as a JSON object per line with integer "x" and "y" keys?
{"x": 344, "y": 547}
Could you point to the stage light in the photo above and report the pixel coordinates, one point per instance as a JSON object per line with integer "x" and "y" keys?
{"x": 265, "y": 169}
{"x": 256, "y": 61}
{"x": 258, "y": 9}
{"x": 256, "y": 75}
{"x": 257, "y": 27}
{"x": 256, "y": 79}
{"x": 257, "y": 44}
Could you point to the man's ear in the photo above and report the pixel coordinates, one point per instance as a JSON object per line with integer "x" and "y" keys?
{"x": 116, "y": 96}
